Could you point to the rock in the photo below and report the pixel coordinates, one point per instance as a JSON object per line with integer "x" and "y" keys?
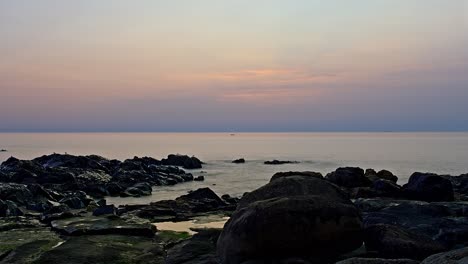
{"x": 105, "y": 210}
{"x": 203, "y": 200}
{"x": 438, "y": 221}
{"x": 199, "y": 178}
{"x": 395, "y": 242}
{"x": 105, "y": 249}
{"x": 428, "y": 187}
{"x": 18, "y": 193}
{"x": 296, "y": 173}
{"x": 230, "y": 200}
{"x": 18, "y": 222}
{"x": 76, "y": 200}
{"x": 387, "y": 188}
{"x": 183, "y": 161}
{"x": 377, "y": 261}
{"x": 25, "y": 245}
{"x": 294, "y": 186}
{"x": 458, "y": 256}
{"x": 114, "y": 189}
{"x": 9, "y": 208}
{"x": 297, "y": 216}
{"x": 349, "y": 177}
{"x": 200, "y": 249}
{"x": 279, "y": 162}
{"x": 138, "y": 190}
{"x": 387, "y": 175}
{"x": 103, "y": 226}
{"x": 238, "y": 161}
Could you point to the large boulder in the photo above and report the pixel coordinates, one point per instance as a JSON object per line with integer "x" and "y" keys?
{"x": 296, "y": 173}
{"x": 429, "y": 187}
{"x": 182, "y": 161}
{"x": 349, "y": 177}
{"x": 395, "y": 242}
{"x": 458, "y": 256}
{"x": 297, "y": 216}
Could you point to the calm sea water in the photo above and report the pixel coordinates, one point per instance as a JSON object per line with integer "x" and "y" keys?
{"x": 401, "y": 153}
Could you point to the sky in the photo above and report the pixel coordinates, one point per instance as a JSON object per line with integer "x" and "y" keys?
{"x": 244, "y": 65}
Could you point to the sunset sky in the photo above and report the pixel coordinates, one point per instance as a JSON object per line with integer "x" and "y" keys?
{"x": 243, "y": 65}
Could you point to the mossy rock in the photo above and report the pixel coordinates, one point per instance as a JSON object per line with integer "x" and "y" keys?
{"x": 103, "y": 249}
{"x": 26, "y": 245}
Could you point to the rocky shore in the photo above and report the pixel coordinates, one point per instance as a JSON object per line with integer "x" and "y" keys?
{"x": 53, "y": 210}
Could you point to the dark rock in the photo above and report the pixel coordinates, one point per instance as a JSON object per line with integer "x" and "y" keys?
{"x": 349, "y": 177}
{"x": 230, "y": 200}
{"x": 458, "y": 256}
{"x": 17, "y": 193}
{"x": 114, "y": 189}
{"x": 9, "y": 208}
{"x": 137, "y": 190}
{"x": 196, "y": 202}
{"x": 70, "y": 161}
{"x": 199, "y": 178}
{"x": 294, "y": 186}
{"x": 104, "y": 226}
{"x": 200, "y": 249}
{"x": 436, "y": 220}
{"x": 387, "y": 175}
{"x": 105, "y": 210}
{"x": 428, "y": 187}
{"x": 279, "y": 162}
{"x": 24, "y": 245}
{"x": 105, "y": 249}
{"x": 395, "y": 242}
{"x": 377, "y": 261}
{"x": 183, "y": 161}
{"x": 296, "y": 173}
{"x": 364, "y": 192}
{"x": 238, "y": 161}
{"x": 288, "y": 218}
{"x": 76, "y": 200}
{"x": 387, "y": 188}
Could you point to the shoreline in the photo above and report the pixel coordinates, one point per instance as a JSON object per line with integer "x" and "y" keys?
{"x": 61, "y": 199}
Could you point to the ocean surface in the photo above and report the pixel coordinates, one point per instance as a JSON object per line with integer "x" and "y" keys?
{"x": 401, "y": 153}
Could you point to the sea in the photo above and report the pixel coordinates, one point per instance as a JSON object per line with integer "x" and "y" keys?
{"x": 401, "y": 153}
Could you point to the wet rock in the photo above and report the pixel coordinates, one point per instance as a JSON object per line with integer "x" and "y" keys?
{"x": 387, "y": 175}
{"x": 395, "y": 242}
{"x": 138, "y": 190}
{"x": 377, "y": 261}
{"x": 458, "y": 256}
{"x": 18, "y": 222}
{"x": 183, "y": 161}
{"x": 230, "y": 200}
{"x": 279, "y": 162}
{"x": 291, "y": 217}
{"x": 199, "y": 178}
{"x": 349, "y": 177}
{"x": 76, "y": 200}
{"x": 239, "y": 161}
{"x": 71, "y": 161}
{"x": 87, "y": 225}
{"x": 296, "y": 173}
{"x": 428, "y": 187}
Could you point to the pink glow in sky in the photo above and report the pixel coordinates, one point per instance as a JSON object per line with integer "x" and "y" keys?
{"x": 244, "y": 65}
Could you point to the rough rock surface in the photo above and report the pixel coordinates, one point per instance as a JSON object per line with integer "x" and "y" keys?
{"x": 291, "y": 217}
